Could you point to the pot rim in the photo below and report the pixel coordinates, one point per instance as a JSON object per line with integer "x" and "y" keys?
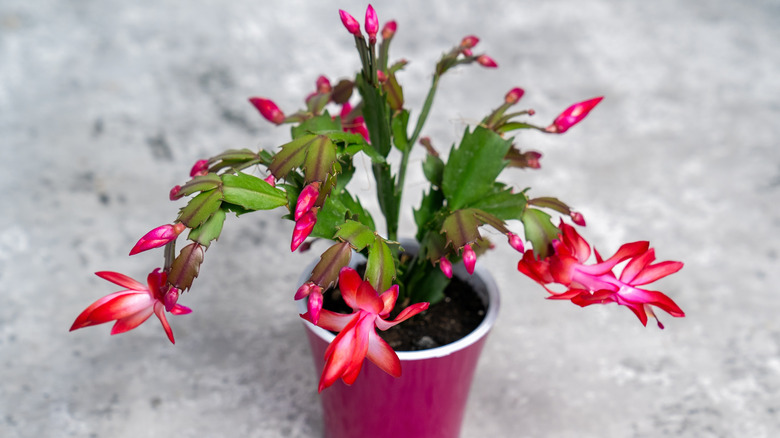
{"x": 488, "y": 290}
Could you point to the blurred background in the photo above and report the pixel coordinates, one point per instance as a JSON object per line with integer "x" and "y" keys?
{"x": 105, "y": 105}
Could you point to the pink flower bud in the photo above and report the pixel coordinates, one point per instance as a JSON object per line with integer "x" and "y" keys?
{"x": 268, "y": 109}
{"x": 469, "y": 258}
{"x": 372, "y": 24}
{"x": 466, "y": 52}
{"x": 381, "y": 76}
{"x": 350, "y": 23}
{"x": 572, "y": 115}
{"x": 532, "y": 159}
{"x": 175, "y": 193}
{"x": 323, "y": 85}
{"x": 486, "y": 61}
{"x": 577, "y": 218}
{"x": 158, "y": 237}
{"x": 514, "y": 95}
{"x": 469, "y": 42}
{"x": 516, "y": 242}
{"x": 315, "y": 303}
{"x": 306, "y": 199}
{"x": 201, "y": 167}
{"x": 389, "y": 29}
{"x": 445, "y": 266}
{"x": 170, "y": 298}
{"x": 270, "y": 180}
{"x": 303, "y": 228}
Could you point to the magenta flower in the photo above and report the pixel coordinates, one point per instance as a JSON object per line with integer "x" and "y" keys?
{"x": 388, "y": 30}
{"x": 158, "y": 237}
{"x": 268, "y": 109}
{"x": 314, "y": 292}
{"x": 446, "y": 266}
{"x": 486, "y": 61}
{"x": 371, "y": 24}
{"x": 303, "y": 227}
{"x": 350, "y": 23}
{"x": 307, "y": 198}
{"x": 514, "y": 95}
{"x": 596, "y": 283}
{"x": 200, "y": 168}
{"x": 357, "y": 338}
{"x": 572, "y": 115}
{"x": 131, "y": 307}
{"x": 469, "y": 258}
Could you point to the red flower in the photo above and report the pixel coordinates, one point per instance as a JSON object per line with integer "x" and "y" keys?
{"x": 131, "y": 307}
{"x": 357, "y": 338}
{"x": 572, "y": 115}
{"x": 596, "y": 283}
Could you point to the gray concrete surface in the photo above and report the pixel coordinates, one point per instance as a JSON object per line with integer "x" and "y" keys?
{"x": 104, "y": 105}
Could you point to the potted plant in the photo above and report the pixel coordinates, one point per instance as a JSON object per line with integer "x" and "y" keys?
{"x": 308, "y": 178}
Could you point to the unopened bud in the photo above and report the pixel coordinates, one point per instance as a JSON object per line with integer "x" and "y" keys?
{"x": 577, "y": 218}
{"x": 201, "y": 167}
{"x": 514, "y": 95}
{"x": 175, "y": 193}
{"x": 572, "y": 115}
{"x": 516, "y": 242}
{"x": 270, "y": 180}
{"x": 350, "y": 23}
{"x": 486, "y": 61}
{"x": 381, "y": 76}
{"x": 323, "y": 85}
{"x": 303, "y": 228}
{"x": 158, "y": 237}
{"x": 445, "y": 266}
{"x": 469, "y": 258}
{"x": 268, "y": 109}
{"x": 389, "y": 29}
{"x": 306, "y": 199}
{"x": 469, "y": 42}
{"x": 371, "y": 24}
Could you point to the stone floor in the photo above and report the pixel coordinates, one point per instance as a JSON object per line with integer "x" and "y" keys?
{"x": 105, "y": 105}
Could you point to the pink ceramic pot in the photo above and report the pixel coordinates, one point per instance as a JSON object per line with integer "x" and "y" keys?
{"x": 427, "y": 401}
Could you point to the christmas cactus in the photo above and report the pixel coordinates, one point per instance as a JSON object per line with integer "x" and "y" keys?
{"x": 308, "y": 178}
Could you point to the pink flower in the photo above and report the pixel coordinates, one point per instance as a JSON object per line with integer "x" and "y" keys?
{"x": 268, "y": 109}
{"x": 131, "y": 307}
{"x": 388, "y": 30}
{"x": 307, "y": 198}
{"x": 486, "y": 61}
{"x": 350, "y": 23}
{"x": 357, "y": 338}
{"x": 158, "y": 237}
{"x": 572, "y": 115}
{"x": 303, "y": 227}
{"x": 469, "y": 258}
{"x": 446, "y": 266}
{"x": 468, "y": 42}
{"x": 514, "y": 95}
{"x": 371, "y": 24}
{"x": 314, "y": 292}
{"x": 596, "y": 283}
{"x": 516, "y": 242}
{"x": 200, "y": 168}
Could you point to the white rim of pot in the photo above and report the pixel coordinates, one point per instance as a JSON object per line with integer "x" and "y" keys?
{"x": 482, "y": 281}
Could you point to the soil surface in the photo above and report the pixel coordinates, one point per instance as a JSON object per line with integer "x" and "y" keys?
{"x": 457, "y": 315}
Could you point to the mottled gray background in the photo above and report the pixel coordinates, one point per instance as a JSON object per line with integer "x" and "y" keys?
{"x": 104, "y": 105}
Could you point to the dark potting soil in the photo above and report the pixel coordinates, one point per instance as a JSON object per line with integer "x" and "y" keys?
{"x": 454, "y": 317}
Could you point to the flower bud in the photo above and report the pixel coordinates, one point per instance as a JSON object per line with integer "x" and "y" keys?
{"x": 389, "y": 29}
{"x": 170, "y": 298}
{"x": 303, "y": 228}
{"x": 516, "y": 242}
{"x": 306, "y": 199}
{"x": 158, "y": 237}
{"x": 466, "y": 52}
{"x": 381, "y": 76}
{"x": 469, "y": 258}
{"x": 371, "y": 24}
{"x": 514, "y": 95}
{"x": 350, "y": 23}
{"x": 323, "y": 85}
{"x": 175, "y": 193}
{"x": 577, "y": 218}
{"x": 469, "y": 42}
{"x": 315, "y": 303}
{"x": 201, "y": 167}
{"x": 486, "y": 61}
{"x": 268, "y": 109}
{"x": 270, "y": 180}
{"x": 572, "y": 115}
{"x": 445, "y": 266}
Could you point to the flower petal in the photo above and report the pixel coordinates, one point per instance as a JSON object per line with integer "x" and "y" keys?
{"x": 130, "y": 322}
{"x": 349, "y": 282}
{"x": 383, "y": 356}
{"x": 121, "y": 280}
